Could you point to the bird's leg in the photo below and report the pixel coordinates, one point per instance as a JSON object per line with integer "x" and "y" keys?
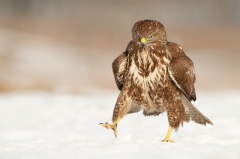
{"x": 111, "y": 126}
{"x": 120, "y": 110}
{"x": 167, "y": 138}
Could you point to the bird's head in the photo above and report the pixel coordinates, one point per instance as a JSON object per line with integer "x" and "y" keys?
{"x": 149, "y": 32}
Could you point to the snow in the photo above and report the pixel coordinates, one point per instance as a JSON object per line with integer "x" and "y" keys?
{"x": 60, "y": 125}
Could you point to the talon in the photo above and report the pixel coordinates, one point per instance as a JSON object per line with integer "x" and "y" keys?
{"x": 115, "y": 133}
{"x": 111, "y": 126}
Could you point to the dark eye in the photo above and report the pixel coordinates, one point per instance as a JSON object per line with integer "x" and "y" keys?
{"x": 150, "y": 37}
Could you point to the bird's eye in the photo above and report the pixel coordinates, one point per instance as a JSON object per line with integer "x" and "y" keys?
{"x": 150, "y": 37}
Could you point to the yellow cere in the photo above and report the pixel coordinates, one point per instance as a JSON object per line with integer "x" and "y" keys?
{"x": 143, "y": 40}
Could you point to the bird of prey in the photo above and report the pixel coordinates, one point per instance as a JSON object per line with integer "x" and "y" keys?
{"x": 155, "y": 76}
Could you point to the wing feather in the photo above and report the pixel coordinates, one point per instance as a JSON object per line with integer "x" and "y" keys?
{"x": 181, "y": 71}
{"x": 119, "y": 67}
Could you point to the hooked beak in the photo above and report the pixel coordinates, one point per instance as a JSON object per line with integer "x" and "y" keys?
{"x": 143, "y": 42}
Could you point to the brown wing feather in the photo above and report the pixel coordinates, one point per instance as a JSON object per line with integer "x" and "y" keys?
{"x": 119, "y": 66}
{"x": 181, "y": 71}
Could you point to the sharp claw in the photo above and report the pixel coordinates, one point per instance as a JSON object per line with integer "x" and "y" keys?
{"x": 110, "y": 126}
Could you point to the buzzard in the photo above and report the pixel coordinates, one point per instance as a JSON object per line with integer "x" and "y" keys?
{"x": 155, "y": 76}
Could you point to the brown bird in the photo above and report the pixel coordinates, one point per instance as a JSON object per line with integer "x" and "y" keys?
{"x": 156, "y": 76}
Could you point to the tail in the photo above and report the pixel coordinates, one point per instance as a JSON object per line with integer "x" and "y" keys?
{"x": 193, "y": 113}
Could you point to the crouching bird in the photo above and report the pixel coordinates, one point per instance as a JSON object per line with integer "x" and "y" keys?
{"x": 157, "y": 76}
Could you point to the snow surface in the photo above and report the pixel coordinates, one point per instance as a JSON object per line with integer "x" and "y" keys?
{"x": 56, "y": 125}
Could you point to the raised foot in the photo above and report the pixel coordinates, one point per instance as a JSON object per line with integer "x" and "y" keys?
{"x": 111, "y": 126}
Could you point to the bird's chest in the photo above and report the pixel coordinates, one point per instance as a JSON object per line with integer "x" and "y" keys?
{"x": 148, "y": 75}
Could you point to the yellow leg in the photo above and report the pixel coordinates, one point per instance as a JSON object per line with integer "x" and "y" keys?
{"x": 112, "y": 126}
{"x": 167, "y": 139}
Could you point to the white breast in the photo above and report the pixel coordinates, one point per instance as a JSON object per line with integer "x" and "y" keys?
{"x": 156, "y": 77}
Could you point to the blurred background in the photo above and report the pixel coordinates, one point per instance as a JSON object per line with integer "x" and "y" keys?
{"x": 68, "y": 46}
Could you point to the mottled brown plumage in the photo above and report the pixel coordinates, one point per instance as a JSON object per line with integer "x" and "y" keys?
{"x": 156, "y": 76}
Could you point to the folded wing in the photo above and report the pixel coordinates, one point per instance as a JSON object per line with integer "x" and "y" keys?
{"x": 119, "y": 67}
{"x": 182, "y": 73}
{"x": 181, "y": 70}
